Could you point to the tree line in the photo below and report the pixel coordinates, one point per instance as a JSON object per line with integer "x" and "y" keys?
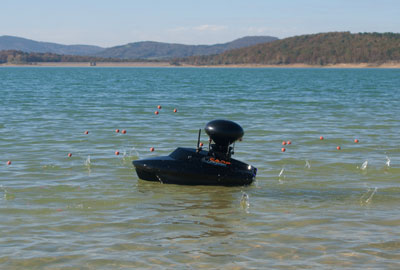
{"x": 20, "y": 57}
{"x": 316, "y": 49}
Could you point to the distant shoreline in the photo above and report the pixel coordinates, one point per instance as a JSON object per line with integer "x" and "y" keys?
{"x": 167, "y": 64}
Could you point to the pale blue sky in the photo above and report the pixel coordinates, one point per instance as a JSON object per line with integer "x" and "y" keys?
{"x": 116, "y": 22}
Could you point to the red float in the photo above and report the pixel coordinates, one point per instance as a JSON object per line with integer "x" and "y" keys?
{"x": 159, "y": 107}
{"x": 86, "y": 132}
{"x": 338, "y": 148}
{"x": 117, "y": 130}
{"x": 289, "y": 142}
{"x": 9, "y": 162}
{"x": 69, "y": 155}
{"x": 356, "y": 140}
{"x": 156, "y": 112}
{"x": 283, "y": 149}
{"x": 321, "y": 138}
{"x": 283, "y": 143}
{"x": 175, "y": 110}
{"x": 123, "y": 131}
{"x": 151, "y": 149}
{"x": 117, "y": 153}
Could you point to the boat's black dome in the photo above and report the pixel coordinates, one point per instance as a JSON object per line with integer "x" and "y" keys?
{"x": 224, "y": 132}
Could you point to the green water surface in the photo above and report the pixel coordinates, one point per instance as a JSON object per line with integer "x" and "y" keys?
{"x": 312, "y": 206}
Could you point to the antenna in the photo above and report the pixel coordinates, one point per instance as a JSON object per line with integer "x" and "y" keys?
{"x": 198, "y": 140}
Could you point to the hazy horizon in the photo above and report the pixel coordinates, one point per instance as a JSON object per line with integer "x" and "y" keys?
{"x": 106, "y": 24}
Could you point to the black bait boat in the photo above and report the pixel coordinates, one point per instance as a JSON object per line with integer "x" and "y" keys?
{"x": 195, "y": 166}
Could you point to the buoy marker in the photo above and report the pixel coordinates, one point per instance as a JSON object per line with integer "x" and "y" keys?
{"x": 159, "y": 107}
{"x": 283, "y": 143}
{"x": 338, "y": 148}
{"x": 116, "y": 153}
{"x": 117, "y": 130}
{"x": 356, "y": 140}
{"x": 69, "y": 155}
{"x": 283, "y": 149}
{"x": 86, "y": 132}
{"x": 123, "y": 131}
{"x": 175, "y": 110}
{"x": 151, "y": 149}
{"x": 156, "y": 112}
{"x": 289, "y": 142}
{"x": 9, "y": 162}
{"x": 321, "y": 138}
{"x": 201, "y": 144}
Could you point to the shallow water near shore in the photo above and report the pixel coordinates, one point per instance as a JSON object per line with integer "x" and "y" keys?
{"x": 312, "y": 206}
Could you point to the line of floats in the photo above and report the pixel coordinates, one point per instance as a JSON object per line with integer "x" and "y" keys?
{"x": 197, "y": 166}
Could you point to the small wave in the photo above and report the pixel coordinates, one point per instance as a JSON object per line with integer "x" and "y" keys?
{"x": 307, "y": 165}
{"x": 136, "y": 153}
{"x": 245, "y": 202}
{"x": 7, "y": 195}
{"x": 88, "y": 161}
{"x": 281, "y": 172}
{"x": 364, "y": 165}
{"x": 366, "y": 198}
{"x": 387, "y": 161}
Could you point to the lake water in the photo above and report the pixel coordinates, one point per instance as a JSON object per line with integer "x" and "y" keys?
{"x": 312, "y": 206}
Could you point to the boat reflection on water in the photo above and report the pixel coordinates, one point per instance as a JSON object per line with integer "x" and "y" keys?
{"x": 196, "y": 166}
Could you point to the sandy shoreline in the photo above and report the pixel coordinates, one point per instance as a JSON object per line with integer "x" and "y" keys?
{"x": 167, "y": 64}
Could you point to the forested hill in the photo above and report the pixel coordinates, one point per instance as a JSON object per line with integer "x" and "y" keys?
{"x": 160, "y": 50}
{"x": 317, "y": 49}
{"x": 136, "y": 50}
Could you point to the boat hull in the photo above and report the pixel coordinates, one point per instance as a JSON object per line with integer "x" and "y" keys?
{"x": 186, "y": 166}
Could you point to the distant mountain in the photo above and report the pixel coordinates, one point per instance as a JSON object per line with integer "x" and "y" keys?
{"x": 317, "y": 49}
{"x": 27, "y": 45}
{"x": 159, "y": 50}
{"x": 139, "y": 50}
